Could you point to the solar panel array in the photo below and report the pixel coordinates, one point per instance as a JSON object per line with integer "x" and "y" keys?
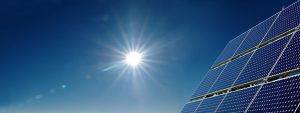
{"x": 255, "y": 72}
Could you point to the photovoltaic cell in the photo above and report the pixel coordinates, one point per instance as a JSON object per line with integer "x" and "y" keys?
{"x": 190, "y": 107}
{"x": 290, "y": 60}
{"x": 281, "y": 96}
{"x": 208, "y": 81}
{"x": 237, "y": 102}
{"x": 230, "y": 48}
{"x": 230, "y": 73}
{"x": 210, "y": 105}
{"x": 262, "y": 61}
{"x": 256, "y": 35}
{"x": 287, "y": 20}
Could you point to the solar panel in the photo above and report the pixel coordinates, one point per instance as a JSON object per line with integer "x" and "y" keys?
{"x": 237, "y": 102}
{"x": 208, "y": 81}
{"x": 230, "y": 73}
{"x": 262, "y": 61}
{"x": 290, "y": 60}
{"x": 258, "y": 71}
{"x": 281, "y": 96}
{"x": 190, "y": 107}
{"x": 210, "y": 105}
{"x": 230, "y": 48}
{"x": 287, "y": 20}
{"x": 256, "y": 35}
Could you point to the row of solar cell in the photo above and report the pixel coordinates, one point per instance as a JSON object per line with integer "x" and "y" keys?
{"x": 230, "y": 73}
{"x": 246, "y": 69}
{"x": 237, "y": 102}
{"x": 256, "y": 35}
{"x": 290, "y": 60}
{"x": 230, "y": 48}
{"x": 282, "y": 96}
{"x": 210, "y": 105}
{"x": 262, "y": 61}
{"x": 288, "y": 19}
{"x": 272, "y": 27}
{"x": 208, "y": 81}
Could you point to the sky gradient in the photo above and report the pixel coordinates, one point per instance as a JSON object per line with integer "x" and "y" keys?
{"x": 62, "y": 56}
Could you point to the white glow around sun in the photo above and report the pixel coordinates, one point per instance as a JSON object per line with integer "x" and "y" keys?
{"x": 133, "y": 58}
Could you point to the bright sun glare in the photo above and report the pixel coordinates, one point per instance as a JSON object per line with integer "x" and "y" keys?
{"x": 133, "y": 58}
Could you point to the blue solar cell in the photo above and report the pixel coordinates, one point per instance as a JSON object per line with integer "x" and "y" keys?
{"x": 231, "y": 48}
{"x": 256, "y": 35}
{"x": 208, "y": 81}
{"x": 191, "y": 107}
{"x": 287, "y": 20}
{"x": 237, "y": 102}
{"x": 210, "y": 105}
{"x": 290, "y": 60}
{"x": 262, "y": 61}
{"x": 230, "y": 73}
{"x": 281, "y": 96}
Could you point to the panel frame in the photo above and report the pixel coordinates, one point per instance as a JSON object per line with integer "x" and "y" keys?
{"x": 290, "y": 30}
{"x": 269, "y": 83}
{"x": 271, "y": 70}
{"x": 297, "y": 109}
{"x": 193, "y": 97}
{"x": 237, "y": 75}
{"x": 256, "y": 48}
{"x": 293, "y": 35}
{"x": 276, "y": 15}
{"x": 216, "y": 64}
{"x": 290, "y": 36}
{"x": 237, "y": 91}
{"x": 224, "y": 95}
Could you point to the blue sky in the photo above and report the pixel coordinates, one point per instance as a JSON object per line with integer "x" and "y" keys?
{"x": 62, "y": 56}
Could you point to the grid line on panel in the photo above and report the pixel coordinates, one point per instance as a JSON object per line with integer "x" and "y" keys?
{"x": 262, "y": 61}
{"x": 256, "y": 35}
{"x": 264, "y": 38}
{"x": 217, "y": 78}
{"x": 287, "y": 21}
{"x": 292, "y": 36}
{"x": 290, "y": 59}
{"x": 247, "y": 34}
{"x": 261, "y": 42}
{"x": 230, "y": 73}
{"x": 278, "y": 96}
{"x": 243, "y": 69}
{"x": 297, "y": 109}
{"x": 271, "y": 70}
{"x": 198, "y": 106}
{"x": 190, "y": 107}
{"x": 237, "y": 101}
{"x": 207, "y": 82}
{"x": 230, "y": 49}
{"x": 209, "y": 105}
{"x": 225, "y": 95}
{"x": 253, "y": 98}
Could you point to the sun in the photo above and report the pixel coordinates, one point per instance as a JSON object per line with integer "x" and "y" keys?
{"x": 133, "y": 58}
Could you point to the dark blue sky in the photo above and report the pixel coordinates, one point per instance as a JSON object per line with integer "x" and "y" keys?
{"x": 53, "y": 52}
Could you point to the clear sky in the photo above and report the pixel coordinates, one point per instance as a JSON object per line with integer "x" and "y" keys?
{"x": 63, "y": 56}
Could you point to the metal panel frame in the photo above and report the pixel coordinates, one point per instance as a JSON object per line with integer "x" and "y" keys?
{"x": 271, "y": 71}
